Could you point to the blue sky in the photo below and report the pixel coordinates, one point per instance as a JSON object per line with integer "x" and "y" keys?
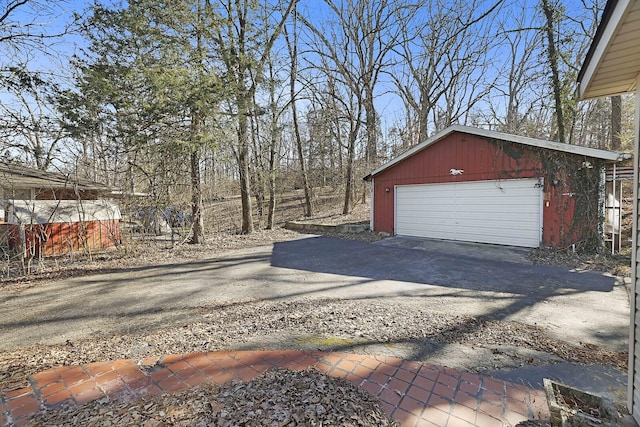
{"x": 53, "y": 16}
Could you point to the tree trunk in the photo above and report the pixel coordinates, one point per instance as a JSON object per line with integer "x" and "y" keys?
{"x": 197, "y": 127}
{"x": 372, "y": 128}
{"x": 348, "y": 192}
{"x": 257, "y": 168}
{"x": 308, "y": 206}
{"x": 273, "y": 150}
{"x": 555, "y": 74}
{"x": 273, "y": 170}
{"x": 293, "y": 53}
{"x": 243, "y": 169}
{"x": 196, "y": 198}
{"x": 616, "y": 122}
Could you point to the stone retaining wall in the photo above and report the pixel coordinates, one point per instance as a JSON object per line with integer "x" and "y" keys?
{"x": 309, "y": 227}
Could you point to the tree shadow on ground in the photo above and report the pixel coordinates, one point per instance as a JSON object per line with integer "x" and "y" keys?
{"x": 359, "y": 259}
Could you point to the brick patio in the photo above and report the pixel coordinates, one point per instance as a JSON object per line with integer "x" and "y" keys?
{"x": 413, "y": 393}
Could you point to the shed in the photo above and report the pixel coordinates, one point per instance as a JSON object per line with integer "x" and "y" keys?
{"x": 45, "y": 213}
{"x": 612, "y": 67}
{"x": 478, "y": 185}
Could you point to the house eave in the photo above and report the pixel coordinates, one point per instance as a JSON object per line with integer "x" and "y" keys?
{"x": 610, "y": 67}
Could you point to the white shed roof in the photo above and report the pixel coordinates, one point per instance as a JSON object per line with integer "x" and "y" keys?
{"x": 612, "y": 65}
{"x": 61, "y": 211}
{"x": 533, "y": 142}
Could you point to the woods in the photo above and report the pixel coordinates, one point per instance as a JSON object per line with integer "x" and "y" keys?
{"x": 188, "y": 101}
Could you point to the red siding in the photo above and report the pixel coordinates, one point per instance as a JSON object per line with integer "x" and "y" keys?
{"x": 60, "y": 238}
{"x": 481, "y": 159}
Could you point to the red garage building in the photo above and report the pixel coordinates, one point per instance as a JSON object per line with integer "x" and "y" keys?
{"x": 477, "y": 185}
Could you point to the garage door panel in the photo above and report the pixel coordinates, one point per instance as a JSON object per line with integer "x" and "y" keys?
{"x": 500, "y": 212}
{"x": 437, "y": 227}
{"x": 493, "y": 221}
{"x": 488, "y": 212}
{"x": 434, "y": 224}
{"x": 506, "y": 236}
{"x": 494, "y": 239}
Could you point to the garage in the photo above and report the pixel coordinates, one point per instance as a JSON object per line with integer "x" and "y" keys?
{"x": 479, "y": 185}
{"x": 506, "y": 212}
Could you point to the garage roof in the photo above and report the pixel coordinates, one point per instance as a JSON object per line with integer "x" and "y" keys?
{"x": 612, "y": 65}
{"x": 18, "y": 176}
{"x": 612, "y": 156}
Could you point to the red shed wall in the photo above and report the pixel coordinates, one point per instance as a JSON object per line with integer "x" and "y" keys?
{"x": 60, "y": 238}
{"x": 481, "y": 160}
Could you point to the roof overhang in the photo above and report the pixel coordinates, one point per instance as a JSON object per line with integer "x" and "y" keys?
{"x": 612, "y": 65}
{"x": 18, "y": 177}
{"x": 612, "y": 156}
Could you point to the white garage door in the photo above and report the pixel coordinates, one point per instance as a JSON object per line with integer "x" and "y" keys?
{"x": 506, "y": 212}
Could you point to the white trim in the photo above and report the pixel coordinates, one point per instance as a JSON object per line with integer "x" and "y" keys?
{"x": 611, "y": 28}
{"x": 533, "y": 142}
{"x": 634, "y": 259}
{"x": 542, "y": 206}
{"x": 395, "y": 210}
{"x": 372, "y": 187}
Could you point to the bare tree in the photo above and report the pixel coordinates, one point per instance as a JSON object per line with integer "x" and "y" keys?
{"x": 518, "y": 94}
{"x": 552, "y": 55}
{"x": 274, "y": 146}
{"x": 266, "y": 137}
{"x": 244, "y": 54}
{"x": 31, "y": 126}
{"x": 354, "y": 47}
{"x": 443, "y": 50}
{"x": 30, "y": 31}
{"x": 616, "y": 122}
{"x": 568, "y": 37}
{"x": 292, "y": 47}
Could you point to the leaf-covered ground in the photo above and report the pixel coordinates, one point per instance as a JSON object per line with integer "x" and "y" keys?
{"x": 324, "y": 324}
{"x": 279, "y": 397}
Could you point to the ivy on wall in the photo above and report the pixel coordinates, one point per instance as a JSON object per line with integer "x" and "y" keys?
{"x": 571, "y": 180}
{"x": 581, "y": 178}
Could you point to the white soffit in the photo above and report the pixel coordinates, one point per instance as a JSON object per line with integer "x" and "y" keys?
{"x": 612, "y": 66}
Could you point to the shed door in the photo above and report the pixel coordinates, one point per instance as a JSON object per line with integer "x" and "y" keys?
{"x": 505, "y": 212}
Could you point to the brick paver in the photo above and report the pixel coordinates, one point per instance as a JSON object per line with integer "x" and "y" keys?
{"x": 413, "y": 393}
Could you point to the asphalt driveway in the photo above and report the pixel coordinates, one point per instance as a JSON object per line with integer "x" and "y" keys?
{"x": 446, "y": 277}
